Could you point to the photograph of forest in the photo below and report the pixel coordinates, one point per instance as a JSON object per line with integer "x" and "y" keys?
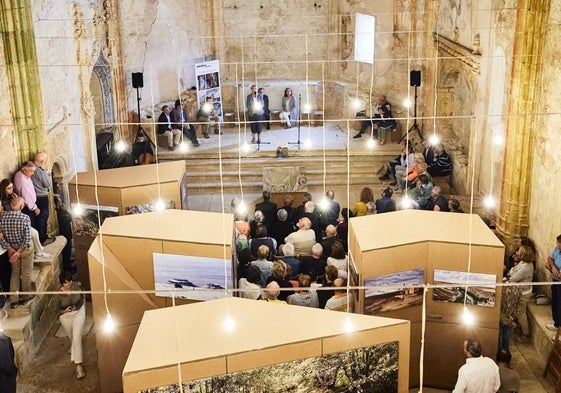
{"x": 371, "y": 369}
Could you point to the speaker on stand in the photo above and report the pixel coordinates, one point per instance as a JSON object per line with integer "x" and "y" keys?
{"x": 142, "y": 152}
{"x": 414, "y": 81}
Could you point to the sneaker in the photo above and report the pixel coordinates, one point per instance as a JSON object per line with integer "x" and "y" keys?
{"x": 172, "y": 148}
{"x": 42, "y": 254}
{"x": 80, "y": 372}
{"x": 385, "y": 177}
{"x": 206, "y": 136}
{"x": 217, "y": 132}
{"x": 48, "y": 241}
{"x": 196, "y": 144}
{"x": 359, "y": 135}
{"x": 550, "y": 326}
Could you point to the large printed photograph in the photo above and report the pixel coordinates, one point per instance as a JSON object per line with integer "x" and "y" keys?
{"x": 371, "y": 369}
{"x": 475, "y": 288}
{"x": 391, "y": 292}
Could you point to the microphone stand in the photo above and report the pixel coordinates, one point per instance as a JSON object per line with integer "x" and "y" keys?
{"x": 299, "y": 121}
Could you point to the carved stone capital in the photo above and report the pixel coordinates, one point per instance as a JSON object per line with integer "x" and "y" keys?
{"x": 468, "y": 56}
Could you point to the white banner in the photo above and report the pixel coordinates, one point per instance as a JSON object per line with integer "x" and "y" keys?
{"x": 208, "y": 85}
{"x": 365, "y": 30}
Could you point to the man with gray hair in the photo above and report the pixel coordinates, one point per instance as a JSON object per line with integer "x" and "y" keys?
{"x": 287, "y": 250}
{"x": 41, "y": 180}
{"x": 314, "y": 266}
{"x": 437, "y": 202}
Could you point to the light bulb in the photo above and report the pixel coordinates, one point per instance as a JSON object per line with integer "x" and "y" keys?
{"x": 467, "y": 317}
{"x": 348, "y": 325}
{"x": 307, "y": 107}
{"x": 489, "y": 201}
{"x": 406, "y": 202}
{"x": 257, "y": 106}
{"x": 120, "y": 146}
{"x": 241, "y": 209}
{"x": 324, "y": 204}
{"x": 159, "y": 205}
{"x": 308, "y": 143}
{"x": 371, "y": 144}
{"x": 229, "y": 324}
{"x": 356, "y": 103}
{"x": 207, "y": 107}
{"x": 498, "y": 139}
{"x": 77, "y": 210}
{"x": 246, "y": 148}
{"x": 434, "y": 140}
{"x": 109, "y": 324}
{"x": 183, "y": 147}
{"x": 407, "y": 102}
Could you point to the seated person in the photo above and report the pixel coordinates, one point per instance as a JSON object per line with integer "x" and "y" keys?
{"x": 261, "y": 239}
{"x": 265, "y": 266}
{"x": 386, "y": 203}
{"x": 441, "y": 163}
{"x": 360, "y": 208}
{"x": 279, "y": 276}
{"x": 166, "y": 128}
{"x": 258, "y": 219}
{"x": 331, "y": 274}
{"x": 382, "y": 103}
{"x": 329, "y": 239}
{"x": 454, "y": 206}
{"x": 248, "y": 286}
{"x": 272, "y": 292}
{"x": 342, "y": 300}
{"x": 208, "y": 116}
{"x": 343, "y": 227}
{"x": 338, "y": 259}
{"x": 287, "y": 250}
{"x": 409, "y": 178}
{"x": 180, "y": 122}
{"x": 437, "y": 202}
{"x": 382, "y": 125}
{"x": 289, "y": 109}
{"x": 141, "y": 152}
{"x": 314, "y": 265}
{"x": 304, "y": 297}
{"x": 420, "y": 195}
{"x": 281, "y": 227}
{"x": 304, "y": 238}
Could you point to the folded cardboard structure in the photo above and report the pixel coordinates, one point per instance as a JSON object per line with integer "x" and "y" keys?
{"x": 397, "y": 243}
{"x": 189, "y": 342}
{"x": 122, "y": 188}
{"x": 121, "y": 259}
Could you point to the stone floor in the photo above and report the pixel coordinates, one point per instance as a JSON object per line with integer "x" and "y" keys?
{"x": 52, "y": 372}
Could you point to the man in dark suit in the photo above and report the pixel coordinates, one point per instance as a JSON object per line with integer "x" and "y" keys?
{"x": 8, "y": 369}
{"x": 269, "y": 210}
{"x": 266, "y": 110}
{"x": 165, "y": 128}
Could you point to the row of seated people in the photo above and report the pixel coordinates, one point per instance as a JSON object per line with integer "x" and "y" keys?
{"x": 300, "y": 281}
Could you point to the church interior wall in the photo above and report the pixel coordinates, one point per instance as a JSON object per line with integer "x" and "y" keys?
{"x": 8, "y": 151}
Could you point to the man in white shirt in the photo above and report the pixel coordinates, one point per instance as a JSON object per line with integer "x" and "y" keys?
{"x": 480, "y": 374}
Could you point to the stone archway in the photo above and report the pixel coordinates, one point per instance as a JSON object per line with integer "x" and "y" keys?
{"x": 100, "y": 89}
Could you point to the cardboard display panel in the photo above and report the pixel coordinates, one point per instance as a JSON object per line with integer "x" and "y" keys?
{"x": 125, "y": 257}
{"x": 397, "y": 248}
{"x": 242, "y": 348}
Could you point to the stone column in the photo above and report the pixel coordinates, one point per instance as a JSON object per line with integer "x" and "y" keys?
{"x": 531, "y": 28}
{"x": 18, "y": 39}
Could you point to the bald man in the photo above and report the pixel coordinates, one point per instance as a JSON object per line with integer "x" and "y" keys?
{"x": 479, "y": 373}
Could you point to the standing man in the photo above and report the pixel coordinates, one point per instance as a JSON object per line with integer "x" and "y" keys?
{"x": 254, "y": 108}
{"x": 266, "y": 110}
{"x": 16, "y": 239}
{"x": 479, "y": 373}
{"x": 553, "y": 264}
{"x": 23, "y": 186}
{"x": 165, "y": 128}
{"x": 41, "y": 180}
{"x": 331, "y": 213}
{"x": 269, "y": 210}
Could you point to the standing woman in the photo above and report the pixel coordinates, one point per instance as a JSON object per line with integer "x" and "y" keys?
{"x": 289, "y": 109}
{"x": 6, "y": 195}
{"x": 72, "y": 308}
{"x": 523, "y": 272}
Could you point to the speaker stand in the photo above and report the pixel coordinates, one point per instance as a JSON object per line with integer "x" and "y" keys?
{"x": 415, "y": 126}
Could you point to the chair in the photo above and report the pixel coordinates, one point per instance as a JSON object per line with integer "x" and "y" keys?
{"x": 553, "y": 364}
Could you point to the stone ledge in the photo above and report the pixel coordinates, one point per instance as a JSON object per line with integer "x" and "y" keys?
{"x": 542, "y": 338}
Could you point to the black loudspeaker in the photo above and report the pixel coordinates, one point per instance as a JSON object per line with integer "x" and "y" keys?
{"x": 138, "y": 80}
{"x": 415, "y": 78}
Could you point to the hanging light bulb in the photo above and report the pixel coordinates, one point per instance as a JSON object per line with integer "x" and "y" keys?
{"x": 307, "y": 107}
{"x": 324, "y": 204}
{"x": 406, "y": 202}
{"x": 356, "y": 103}
{"x": 77, "y": 209}
{"x": 407, "y": 102}
{"x": 489, "y": 201}
{"x": 241, "y": 209}
{"x": 229, "y": 324}
{"x": 183, "y": 147}
{"x": 371, "y": 144}
{"x": 109, "y": 324}
{"x": 434, "y": 140}
{"x": 498, "y": 139}
{"x": 246, "y": 148}
{"x": 120, "y": 146}
{"x": 159, "y": 205}
{"x": 467, "y": 317}
{"x": 308, "y": 143}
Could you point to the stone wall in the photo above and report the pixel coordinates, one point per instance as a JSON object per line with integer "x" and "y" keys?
{"x": 8, "y": 152}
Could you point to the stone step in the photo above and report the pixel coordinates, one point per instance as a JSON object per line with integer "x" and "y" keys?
{"x": 15, "y": 325}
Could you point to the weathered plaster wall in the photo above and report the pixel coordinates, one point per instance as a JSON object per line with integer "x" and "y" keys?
{"x": 8, "y": 158}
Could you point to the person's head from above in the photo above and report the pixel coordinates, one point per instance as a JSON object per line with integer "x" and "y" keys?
{"x": 165, "y": 109}
{"x": 28, "y": 169}
{"x": 41, "y": 158}
{"x": 304, "y": 223}
{"x": 309, "y": 207}
{"x": 253, "y": 274}
{"x": 337, "y": 250}
{"x": 317, "y": 251}
{"x": 503, "y": 357}
{"x": 261, "y": 90}
{"x": 307, "y": 197}
{"x": 287, "y": 250}
{"x": 525, "y": 254}
{"x": 65, "y": 278}
{"x": 258, "y": 216}
{"x": 453, "y": 204}
{"x": 419, "y": 158}
{"x": 244, "y": 257}
{"x": 439, "y": 149}
{"x": 387, "y": 192}
{"x": 279, "y": 269}
{"x": 261, "y": 231}
{"x": 272, "y": 290}
{"x": 472, "y": 348}
{"x": 282, "y": 215}
{"x": 287, "y": 92}
{"x": 288, "y": 200}
{"x": 330, "y": 194}
{"x": 331, "y": 273}
{"x": 366, "y": 195}
{"x": 382, "y": 99}
{"x": 263, "y": 252}
{"x": 346, "y": 213}
{"x": 266, "y": 195}
{"x": 339, "y": 284}
{"x": 424, "y": 179}
{"x": 436, "y": 191}
{"x": 331, "y": 230}
{"x": 17, "y": 204}
{"x": 383, "y": 111}
{"x": 304, "y": 281}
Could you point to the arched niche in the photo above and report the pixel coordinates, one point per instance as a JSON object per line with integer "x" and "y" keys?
{"x": 100, "y": 89}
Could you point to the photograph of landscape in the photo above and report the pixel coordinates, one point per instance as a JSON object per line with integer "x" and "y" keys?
{"x": 88, "y": 223}
{"x": 371, "y": 369}
{"x": 394, "y": 291}
{"x": 189, "y": 277}
{"x": 480, "y": 287}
